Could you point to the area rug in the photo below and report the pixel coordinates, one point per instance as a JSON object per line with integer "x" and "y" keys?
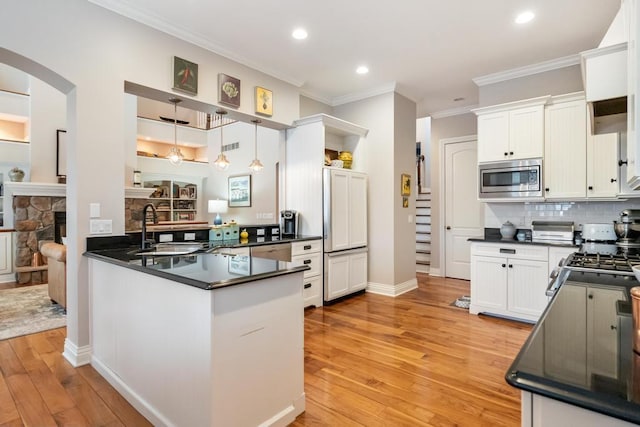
{"x": 28, "y": 310}
{"x": 462, "y": 302}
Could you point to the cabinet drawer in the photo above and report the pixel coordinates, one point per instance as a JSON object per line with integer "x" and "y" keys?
{"x": 314, "y": 261}
{"x": 312, "y": 291}
{"x": 308, "y": 246}
{"x": 530, "y": 252}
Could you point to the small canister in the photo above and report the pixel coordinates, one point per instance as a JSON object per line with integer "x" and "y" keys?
{"x": 215, "y": 234}
{"x": 635, "y": 310}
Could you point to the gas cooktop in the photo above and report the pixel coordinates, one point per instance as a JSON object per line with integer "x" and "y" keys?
{"x": 619, "y": 263}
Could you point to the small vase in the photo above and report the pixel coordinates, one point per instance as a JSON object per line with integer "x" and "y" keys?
{"x": 244, "y": 235}
{"x": 508, "y": 230}
{"x": 16, "y": 175}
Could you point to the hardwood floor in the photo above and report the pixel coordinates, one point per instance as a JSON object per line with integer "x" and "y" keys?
{"x": 370, "y": 360}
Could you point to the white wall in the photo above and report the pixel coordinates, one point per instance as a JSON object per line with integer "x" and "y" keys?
{"x": 310, "y": 107}
{"x": 89, "y": 53}
{"x": 263, "y": 209}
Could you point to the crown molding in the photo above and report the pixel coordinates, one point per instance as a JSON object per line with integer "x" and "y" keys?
{"x": 315, "y": 97}
{"x": 128, "y": 11}
{"x": 528, "y": 70}
{"x": 467, "y": 109}
{"x": 358, "y": 96}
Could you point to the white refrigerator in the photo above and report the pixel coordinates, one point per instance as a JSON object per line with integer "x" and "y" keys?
{"x": 345, "y": 232}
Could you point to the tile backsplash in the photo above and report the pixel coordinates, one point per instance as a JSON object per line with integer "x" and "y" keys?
{"x": 521, "y": 214}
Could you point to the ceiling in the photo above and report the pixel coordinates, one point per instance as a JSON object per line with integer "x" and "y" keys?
{"x": 428, "y": 50}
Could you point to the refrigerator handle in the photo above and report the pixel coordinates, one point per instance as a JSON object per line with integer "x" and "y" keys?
{"x": 346, "y": 252}
{"x": 326, "y": 208}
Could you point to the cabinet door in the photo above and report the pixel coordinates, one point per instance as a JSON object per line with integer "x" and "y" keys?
{"x": 526, "y": 135}
{"x": 489, "y": 282}
{"x": 527, "y": 283}
{"x": 358, "y": 271}
{"x": 337, "y": 277}
{"x": 602, "y": 331}
{"x": 339, "y": 209}
{"x": 602, "y": 165}
{"x": 357, "y": 210}
{"x": 6, "y": 260}
{"x": 559, "y": 254}
{"x": 565, "y": 147}
{"x": 493, "y": 136}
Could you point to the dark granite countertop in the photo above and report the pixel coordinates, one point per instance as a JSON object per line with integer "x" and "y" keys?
{"x": 201, "y": 269}
{"x": 492, "y": 235}
{"x": 581, "y": 350}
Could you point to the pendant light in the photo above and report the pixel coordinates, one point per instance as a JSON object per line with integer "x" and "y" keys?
{"x": 256, "y": 165}
{"x": 175, "y": 156}
{"x": 221, "y": 162}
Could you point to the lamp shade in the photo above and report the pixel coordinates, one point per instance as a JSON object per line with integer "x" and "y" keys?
{"x": 217, "y": 206}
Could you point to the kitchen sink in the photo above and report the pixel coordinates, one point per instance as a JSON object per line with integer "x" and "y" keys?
{"x": 168, "y": 249}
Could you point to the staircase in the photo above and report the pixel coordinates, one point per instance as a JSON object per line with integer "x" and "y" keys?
{"x": 423, "y": 232}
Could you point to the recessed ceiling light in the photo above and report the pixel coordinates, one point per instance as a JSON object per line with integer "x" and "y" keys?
{"x": 299, "y": 34}
{"x": 525, "y": 17}
{"x": 363, "y": 69}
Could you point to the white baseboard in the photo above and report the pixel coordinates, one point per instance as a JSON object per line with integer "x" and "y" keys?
{"x": 435, "y": 272}
{"x": 392, "y": 290}
{"x": 147, "y": 411}
{"x": 75, "y": 355}
{"x": 422, "y": 269}
{"x": 7, "y": 278}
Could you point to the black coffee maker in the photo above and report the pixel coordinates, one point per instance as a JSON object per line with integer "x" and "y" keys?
{"x": 289, "y": 223}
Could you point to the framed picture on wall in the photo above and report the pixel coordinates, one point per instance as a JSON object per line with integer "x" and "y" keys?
{"x": 405, "y": 189}
{"x": 264, "y": 101}
{"x": 61, "y": 152}
{"x": 185, "y": 76}
{"x": 229, "y": 90}
{"x": 239, "y": 191}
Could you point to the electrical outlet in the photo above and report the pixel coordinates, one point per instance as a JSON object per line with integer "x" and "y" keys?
{"x": 189, "y": 236}
{"x": 100, "y": 226}
{"x": 165, "y": 238}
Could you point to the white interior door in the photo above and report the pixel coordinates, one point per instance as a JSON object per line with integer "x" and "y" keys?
{"x": 464, "y": 214}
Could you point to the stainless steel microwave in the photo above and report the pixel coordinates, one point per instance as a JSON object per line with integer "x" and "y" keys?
{"x": 512, "y": 179}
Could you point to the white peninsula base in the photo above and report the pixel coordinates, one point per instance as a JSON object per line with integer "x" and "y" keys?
{"x": 184, "y": 356}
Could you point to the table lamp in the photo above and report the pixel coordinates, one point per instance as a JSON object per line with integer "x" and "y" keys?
{"x": 217, "y": 207}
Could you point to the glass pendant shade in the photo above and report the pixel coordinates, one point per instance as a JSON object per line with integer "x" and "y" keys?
{"x": 221, "y": 162}
{"x": 256, "y": 165}
{"x": 175, "y": 155}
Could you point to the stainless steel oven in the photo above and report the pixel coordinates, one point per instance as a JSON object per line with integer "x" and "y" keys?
{"x": 512, "y": 179}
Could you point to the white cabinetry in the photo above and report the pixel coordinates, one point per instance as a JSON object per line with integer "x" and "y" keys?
{"x": 346, "y": 206}
{"x": 6, "y": 258}
{"x": 511, "y": 131}
{"x": 565, "y": 166}
{"x": 540, "y": 411}
{"x": 633, "y": 102}
{"x": 346, "y": 273}
{"x": 310, "y": 253}
{"x": 602, "y": 166}
{"x": 509, "y": 280}
{"x": 305, "y": 147}
{"x": 558, "y": 254}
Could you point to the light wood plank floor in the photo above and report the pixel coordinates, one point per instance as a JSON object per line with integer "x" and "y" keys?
{"x": 370, "y": 360}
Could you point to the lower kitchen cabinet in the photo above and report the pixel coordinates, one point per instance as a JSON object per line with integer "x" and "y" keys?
{"x": 540, "y": 411}
{"x": 6, "y": 260}
{"x": 345, "y": 273}
{"x": 509, "y": 280}
{"x": 309, "y": 252}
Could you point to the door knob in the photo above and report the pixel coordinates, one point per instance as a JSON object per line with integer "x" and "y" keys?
{"x": 448, "y": 228}
{"x": 506, "y": 154}
{"x": 613, "y": 180}
{"x": 546, "y": 189}
{"x": 504, "y": 265}
{"x": 511, "y": 153}
{"x": 591, "y": 187}
{"x": 623, "y": 162}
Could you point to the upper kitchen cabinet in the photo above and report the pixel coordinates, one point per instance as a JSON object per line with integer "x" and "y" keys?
{"x": 604, "y": 72}
{"x": 565, "y": 148}
{"x": 511, "y": 131}
{"x": 313, "y": 141}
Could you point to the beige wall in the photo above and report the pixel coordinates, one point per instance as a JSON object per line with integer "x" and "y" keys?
{"x": 555, "y": 82}
{"x": 447, "y": 127}
{"x": 310, "y": 107}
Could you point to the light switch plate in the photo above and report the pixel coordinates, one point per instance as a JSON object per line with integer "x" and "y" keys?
{"x": 94, "y": 210}
{"x": 165, "y": 238}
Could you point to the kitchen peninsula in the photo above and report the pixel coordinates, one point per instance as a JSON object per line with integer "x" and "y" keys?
{"x": 200, "y": 338}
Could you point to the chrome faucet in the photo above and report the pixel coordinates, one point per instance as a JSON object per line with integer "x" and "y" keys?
{"x": 144, "y": 222}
